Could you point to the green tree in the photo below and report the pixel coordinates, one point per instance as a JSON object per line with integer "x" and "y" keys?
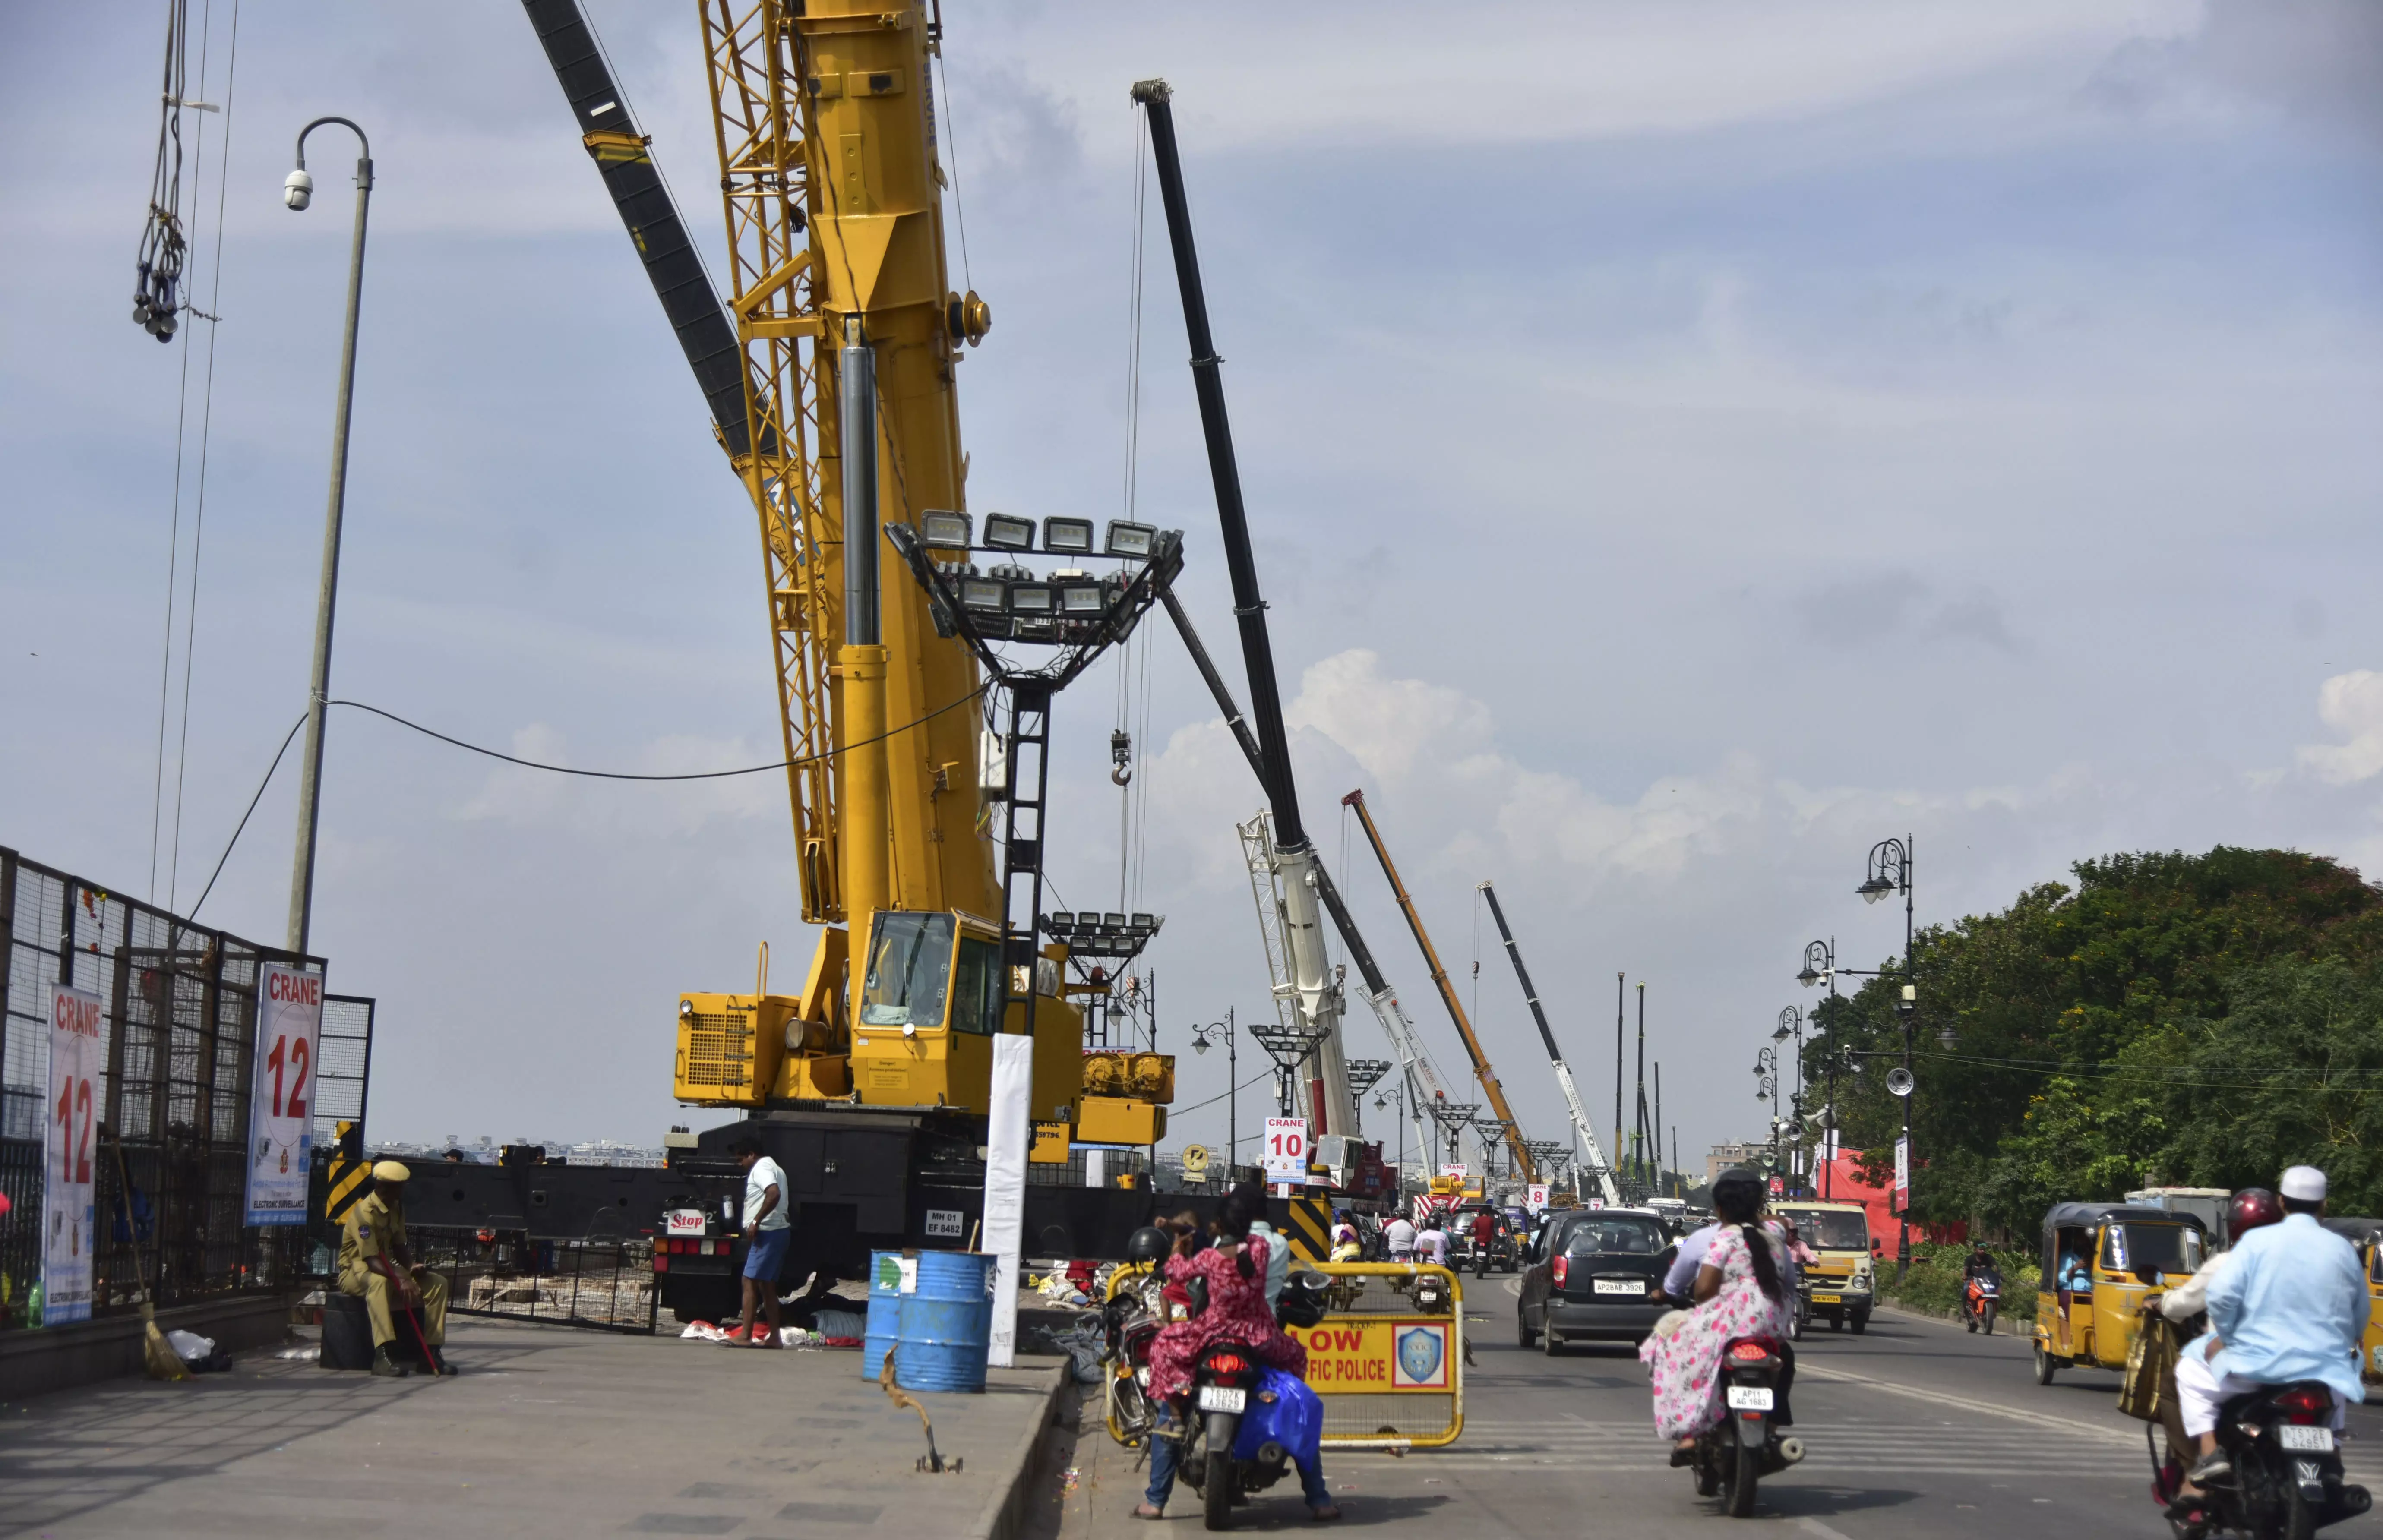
{"x": 2078, "y": 1042}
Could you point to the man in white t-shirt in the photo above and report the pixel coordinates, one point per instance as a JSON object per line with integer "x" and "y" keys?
{"x": 1398, "y": 1234}
{"x": 1431, "y": 1243}
{"x": 766, "y": 1236}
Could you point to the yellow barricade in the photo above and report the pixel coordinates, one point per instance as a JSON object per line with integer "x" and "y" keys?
{"x": 1387, "y": 1359}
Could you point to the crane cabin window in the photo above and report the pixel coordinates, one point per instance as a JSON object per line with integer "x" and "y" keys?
{"x": 978, "y": 998}
{"x": 909, "y": 970}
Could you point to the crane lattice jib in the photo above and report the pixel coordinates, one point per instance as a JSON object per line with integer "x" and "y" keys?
{"x": 814, "y": 239}
{"x": 1481, "y": 1070}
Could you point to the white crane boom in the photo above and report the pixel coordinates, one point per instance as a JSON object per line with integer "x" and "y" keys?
{"x": 1598, "y": 1164}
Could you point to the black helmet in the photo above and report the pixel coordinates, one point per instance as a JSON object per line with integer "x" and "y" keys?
{"x": 1737, "y": 1177}
{"x": 1147, "y": 1244}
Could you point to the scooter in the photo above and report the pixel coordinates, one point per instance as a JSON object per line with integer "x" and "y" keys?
{"x": 2287, "y": 1481}
{"x": 1981, "y": 1301}
{"x": 1732, "y": 1456}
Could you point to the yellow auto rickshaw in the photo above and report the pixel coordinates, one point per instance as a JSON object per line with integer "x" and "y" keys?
{"x": 2100, "y": 1261}
{"x": 2366, "y": 1235}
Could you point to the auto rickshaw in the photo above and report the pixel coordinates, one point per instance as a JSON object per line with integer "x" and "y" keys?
{"x": 2100, "y": 1261}
{"x": 1837, "y": 1286}
{"x": 2366, "y": 1235}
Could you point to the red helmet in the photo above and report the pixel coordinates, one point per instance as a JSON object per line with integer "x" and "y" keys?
{"x": 2252, "y": 1207}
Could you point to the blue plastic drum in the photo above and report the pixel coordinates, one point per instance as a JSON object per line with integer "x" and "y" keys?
{"x": 885, "y": 1312}
{"x": 947, "y": 1324}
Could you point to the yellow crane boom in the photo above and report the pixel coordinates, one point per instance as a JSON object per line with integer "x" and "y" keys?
{"x": 1481, "y": 1070}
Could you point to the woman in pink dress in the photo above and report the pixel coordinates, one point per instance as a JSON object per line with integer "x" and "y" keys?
{"x": 1235, "y": 1269}
{"x": 1740, "y": 1291}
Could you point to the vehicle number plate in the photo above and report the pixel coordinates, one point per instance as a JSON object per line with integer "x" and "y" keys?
{"x": 2313, "y": 1440}
{"x": 1828, "y": 1298}
{"x": 1749, "y": 1397}
{"x": 1221, "y": 1397}
{"x": 1620, "y": 1285}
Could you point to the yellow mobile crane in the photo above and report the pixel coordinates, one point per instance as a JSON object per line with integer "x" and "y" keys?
{"x": 1524, "y": 1165}
{"x": 831, "y": 375}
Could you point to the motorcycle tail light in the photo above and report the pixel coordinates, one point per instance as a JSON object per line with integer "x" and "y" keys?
{"x": 1229, "y": 1363}
{"x": 1557, "y": 1270}
{"x": 1748, "y": 1352}
{"x": 2304, "y": 1404}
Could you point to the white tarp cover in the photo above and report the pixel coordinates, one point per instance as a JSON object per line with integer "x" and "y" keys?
{"x": 1005, "y": 1187}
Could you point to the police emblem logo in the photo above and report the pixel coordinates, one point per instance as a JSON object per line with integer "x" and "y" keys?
{"x": 1422, "y": 1355}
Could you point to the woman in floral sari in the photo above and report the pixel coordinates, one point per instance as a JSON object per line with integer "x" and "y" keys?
{"x": 1740, "y": 1291}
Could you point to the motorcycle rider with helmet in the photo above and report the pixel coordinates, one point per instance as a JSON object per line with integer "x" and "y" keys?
{"x": 2290, "y": 1303}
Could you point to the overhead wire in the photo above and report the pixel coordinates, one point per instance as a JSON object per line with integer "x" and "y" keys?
{"x": 213, "y": 315}
{"x": 554, "y": 770}
{"x": 158, "y": 305}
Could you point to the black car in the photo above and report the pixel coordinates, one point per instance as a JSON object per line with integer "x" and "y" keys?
{"x": 1596, "y": 1276}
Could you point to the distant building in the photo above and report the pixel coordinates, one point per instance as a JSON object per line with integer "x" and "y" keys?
{"x": 1721, "y": 1157}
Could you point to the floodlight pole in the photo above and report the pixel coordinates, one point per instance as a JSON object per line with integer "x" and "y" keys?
{"x": 310, "y": 768}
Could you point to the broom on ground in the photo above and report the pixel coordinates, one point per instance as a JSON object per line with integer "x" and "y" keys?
{"x": 163, "y": 1364}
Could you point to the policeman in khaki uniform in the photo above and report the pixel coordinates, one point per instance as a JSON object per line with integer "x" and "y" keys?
{"x": 375, "y": 1263}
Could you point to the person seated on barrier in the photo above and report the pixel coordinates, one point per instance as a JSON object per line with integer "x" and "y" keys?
{"x": 376, "y": 1262}
{"x": 1235, "y": 1271}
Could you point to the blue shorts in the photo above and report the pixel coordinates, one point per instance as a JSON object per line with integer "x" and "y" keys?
{"x": 767, "y": 1253}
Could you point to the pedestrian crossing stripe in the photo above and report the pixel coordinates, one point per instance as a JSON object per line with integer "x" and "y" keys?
{"x": 348, "y": 1173}
{"x": 1311, "y": 1229}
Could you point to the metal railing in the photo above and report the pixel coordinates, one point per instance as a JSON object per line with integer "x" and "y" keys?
{"x": 505, "y": 1274}
{"x": 179, "y": 1024}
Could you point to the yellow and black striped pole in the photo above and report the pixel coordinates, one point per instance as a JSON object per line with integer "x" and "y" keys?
{"x": 1311, "y": 1229}
{"x": 348, "y": 1173}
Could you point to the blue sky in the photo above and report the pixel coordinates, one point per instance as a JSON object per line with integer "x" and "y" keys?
{"x": 1686, "y": 445}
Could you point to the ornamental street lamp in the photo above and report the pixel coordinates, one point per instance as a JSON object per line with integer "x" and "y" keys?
{"x": 1199, "y": 1040}
{"x": 1820, "y": 962}
{"x": 1890, "y": 871}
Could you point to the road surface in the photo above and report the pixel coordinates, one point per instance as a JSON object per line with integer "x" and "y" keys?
{"x": 1914, "y": 1428}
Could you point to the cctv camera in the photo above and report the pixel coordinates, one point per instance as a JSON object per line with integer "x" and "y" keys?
{"x": 299, "y": 190}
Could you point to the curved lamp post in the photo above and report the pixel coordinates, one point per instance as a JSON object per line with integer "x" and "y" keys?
{"x": 1199, "y": 1040}
{"x": 298, "y": 191}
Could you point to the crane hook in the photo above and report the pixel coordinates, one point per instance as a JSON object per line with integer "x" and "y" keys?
{"x": 1121, "y": 757}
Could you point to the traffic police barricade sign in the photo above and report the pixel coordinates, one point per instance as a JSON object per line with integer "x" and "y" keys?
{"x": 1388, "y": 1357}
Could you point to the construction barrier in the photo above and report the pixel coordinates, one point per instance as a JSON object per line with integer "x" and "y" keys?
{"x": 1388, "y": 1357}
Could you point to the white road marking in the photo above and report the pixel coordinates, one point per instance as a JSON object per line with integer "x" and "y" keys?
{"x": 1823, "y": 1531}
{"x": 1966, "y": 1403}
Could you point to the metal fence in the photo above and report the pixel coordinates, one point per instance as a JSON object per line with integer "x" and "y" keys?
{"x": 606, "y": 1285}
{"x": 180, "y": 1027}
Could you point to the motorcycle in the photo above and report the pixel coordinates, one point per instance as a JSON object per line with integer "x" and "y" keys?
{"x": 1731, "y": 1457}
{"x": 1249, "y": 1424}
{"x": 1981, "y": 1302}
{"x": 2287, "y": 1482}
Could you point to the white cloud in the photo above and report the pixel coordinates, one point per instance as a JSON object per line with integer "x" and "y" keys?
{"x": 2352, "y": 704}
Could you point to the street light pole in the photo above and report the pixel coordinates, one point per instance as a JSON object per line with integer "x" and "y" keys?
{"x": 1890, "y": 871}
{"x": 1820, "y": 963}
{"x": 297, "y": 192}
{"x": 1199, "y": 1040}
